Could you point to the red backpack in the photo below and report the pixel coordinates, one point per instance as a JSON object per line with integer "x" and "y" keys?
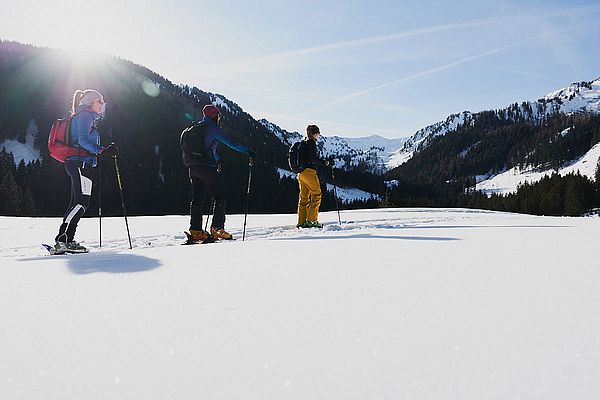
{"x": 59, "y": 140}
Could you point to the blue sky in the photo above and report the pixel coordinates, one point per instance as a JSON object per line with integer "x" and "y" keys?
{"x": 354, "y": 68}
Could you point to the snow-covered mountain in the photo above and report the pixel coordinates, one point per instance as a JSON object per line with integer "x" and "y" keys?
{"x": 579, "y": 97}
{"x": 421, "y": 138}
{"x": 373, "y": 153}
{"x": 379, "y": 154}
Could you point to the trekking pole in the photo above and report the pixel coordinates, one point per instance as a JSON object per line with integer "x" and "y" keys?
{"x": 335, "y": 195}
{"x": 211, "y": 210}
{"x": 250, "y": 165}
{"x": 100, "y": 198}
{"x": 122, "y": 197}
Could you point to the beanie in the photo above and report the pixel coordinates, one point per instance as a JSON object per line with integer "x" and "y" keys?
{"x": 89, "y": 96}
{"x": 210, "y": 111}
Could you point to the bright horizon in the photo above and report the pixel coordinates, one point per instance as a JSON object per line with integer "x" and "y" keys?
{"x": 354, "y": 70}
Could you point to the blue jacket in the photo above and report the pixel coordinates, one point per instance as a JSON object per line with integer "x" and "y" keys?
{"x": 215, "y": 134}
{"x": 85, "y": 135}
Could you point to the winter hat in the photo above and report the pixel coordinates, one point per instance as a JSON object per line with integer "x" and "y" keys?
{"x": 89, "y": 96}
{"x": 210, "y": 111}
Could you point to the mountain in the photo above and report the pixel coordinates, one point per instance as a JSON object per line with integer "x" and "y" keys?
{"x": 533, "y": 157}
{"x": 577, "y": 98}
{"x": 547, "y": 134}
{"x": 145, "y": 116}
{"x": 440, "y": 165}
{"x": 379, "y": 155}
{"x": 374, "y": 154}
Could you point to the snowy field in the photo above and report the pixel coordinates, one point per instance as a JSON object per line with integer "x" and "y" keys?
{"x": 392, "y": 304}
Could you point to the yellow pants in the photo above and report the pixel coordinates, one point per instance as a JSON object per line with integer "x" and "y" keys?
{"x": 310, "y": 196}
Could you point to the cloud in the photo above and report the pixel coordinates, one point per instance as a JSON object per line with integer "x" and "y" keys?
{"x": 260, "y": 62}
{"x": 406, "y": 78}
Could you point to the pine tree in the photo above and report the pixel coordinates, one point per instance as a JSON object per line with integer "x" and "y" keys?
{"x": 9, "y": 195}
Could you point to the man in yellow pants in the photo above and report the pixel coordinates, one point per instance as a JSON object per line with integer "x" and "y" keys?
{"x": 310, "y": 188}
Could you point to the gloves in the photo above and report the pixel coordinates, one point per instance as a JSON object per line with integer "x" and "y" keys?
{"x": 111, "y": 150}
{"x": 252, "y": 155}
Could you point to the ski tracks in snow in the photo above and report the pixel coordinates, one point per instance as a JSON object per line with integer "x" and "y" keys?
{"x": 357, "y": 224}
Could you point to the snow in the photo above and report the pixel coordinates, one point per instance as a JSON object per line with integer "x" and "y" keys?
{"x": 565, "y": 132}
{"x": 344, "y": 195}
{"x": 577, "y": 97}
{"x": 365, "y": 143}
{"x": 508, "y": 181}
{"x": 286, "y": 173}
{"x": 394, "y": 303}
{"x": 285, "y": 137}
{"x": 378, "y": 151}
{"x": 219, "y": 101}
{"x": 24, "y": 151}
{"x": 375, "y": 151}
{"x": 399, "y": 157}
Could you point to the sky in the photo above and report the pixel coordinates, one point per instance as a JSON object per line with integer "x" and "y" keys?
{"x": 355, "y": 68}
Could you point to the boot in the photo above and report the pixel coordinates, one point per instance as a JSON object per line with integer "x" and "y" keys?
{"x": 198, "y": 235}
{"x": 60, "y": 247}
{"x": 74, "y": 247}
{"x": 220, "y": 233}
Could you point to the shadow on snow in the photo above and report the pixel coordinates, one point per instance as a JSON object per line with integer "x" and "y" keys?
{"x": 370, "y": 236}
{"x": 116, "y": 263}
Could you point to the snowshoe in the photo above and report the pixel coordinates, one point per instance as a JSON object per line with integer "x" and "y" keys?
{"x": 220, "y": 234}
{"x": 313, "y": 224}
{"x": 74, "y": 247}
{"x": 198, "y": 237}
{"x": 60, "y": 248}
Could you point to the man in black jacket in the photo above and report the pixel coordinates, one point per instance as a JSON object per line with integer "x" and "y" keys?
{"x": 310, "y": 188}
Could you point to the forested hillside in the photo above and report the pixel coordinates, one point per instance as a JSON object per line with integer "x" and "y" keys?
{"x": 444, "y": 171}
{"x": 145, "y": 114}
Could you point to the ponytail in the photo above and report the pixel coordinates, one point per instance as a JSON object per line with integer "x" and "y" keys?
{"x": 76, "y": 100}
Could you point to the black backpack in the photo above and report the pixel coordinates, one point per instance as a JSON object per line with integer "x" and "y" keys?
{"x": 297, "y": 156}
{"x": 192, "y": 145}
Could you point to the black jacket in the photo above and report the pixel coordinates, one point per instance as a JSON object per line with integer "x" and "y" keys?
{"x": 312, "y": 157}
